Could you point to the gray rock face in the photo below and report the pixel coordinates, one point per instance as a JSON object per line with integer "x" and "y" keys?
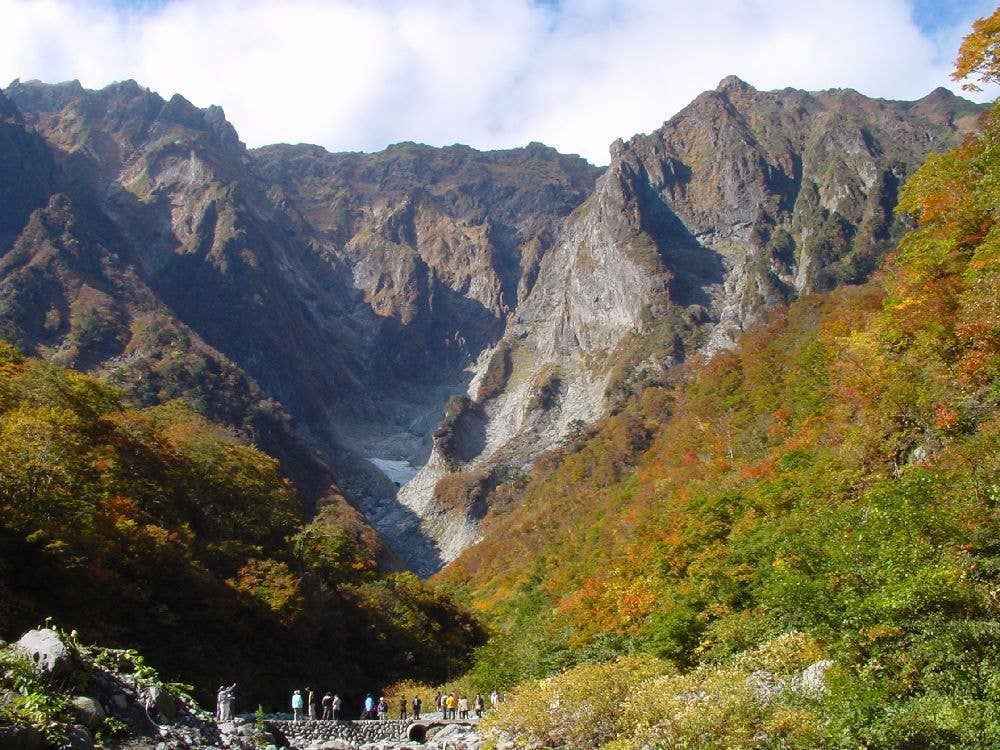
{"x": 740, "y": 203}
{"x": 48, "y": 652}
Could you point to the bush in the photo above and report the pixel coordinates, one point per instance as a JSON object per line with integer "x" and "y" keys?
{"x": 577, "y": 709}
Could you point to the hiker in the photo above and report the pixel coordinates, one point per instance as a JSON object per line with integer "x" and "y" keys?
{"x": 479, "y": 705}
{"x": 441, "y": 705}
{"x": 402, "y": 707}
{"x": 416, "y": 706}
{"x": 336, "y": 707}
{"x": 494, "y": 699}
{"x": 383, "y": 708}
{"x": 297, "y": 706}
{"x": 227, "y": 704}
{"x": 450, "y": 704}
{"x": 369, "y": 712}
{"x": 311, "y": 703}
{"x": 224, "y": 703}
{"x": 463, "y": 708}
{"x": 220, "y": 703}
{"x": 327, "y": 704}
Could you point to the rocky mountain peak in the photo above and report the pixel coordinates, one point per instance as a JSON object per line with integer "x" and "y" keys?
{"x": 733, "y": 83}
{"x": 36, "y": 96}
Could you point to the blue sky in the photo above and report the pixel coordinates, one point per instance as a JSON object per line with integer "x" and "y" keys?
{"x": 360, "y": 74}
{"x": 932, "y": 15}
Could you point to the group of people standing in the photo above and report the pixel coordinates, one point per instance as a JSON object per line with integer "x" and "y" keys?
{"x": 304, "y": 704}
{"x": 453, "y": 706}
{"x": 380, "y": 710}
{"x": 330, "y": 704}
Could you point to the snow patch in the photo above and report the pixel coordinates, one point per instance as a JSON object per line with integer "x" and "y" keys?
{"x": 399, "y": 472}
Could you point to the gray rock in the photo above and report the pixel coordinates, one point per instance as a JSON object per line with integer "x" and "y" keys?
{"x": 163, "y": 701}
{"x": 765, "y": 684}
{"x": 21, "y": 738}
{"x": 80, "y": 738}
{"x": 48, "y": 652}
{"x": 119, "y": 701}
{"x": 813, "y": 677}
{"x": 88, "y": 711}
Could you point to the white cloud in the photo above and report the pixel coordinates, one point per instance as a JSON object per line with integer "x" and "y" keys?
{"x": 359, "y": 74}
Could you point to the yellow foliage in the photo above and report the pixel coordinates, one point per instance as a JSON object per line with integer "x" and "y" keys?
{"x": 577, "y": 709}
{"x": 640, "y": 702}
{"x": 979, "y": 54}
{"x": 272, "y": 582}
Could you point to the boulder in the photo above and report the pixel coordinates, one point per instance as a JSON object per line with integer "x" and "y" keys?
{"x": 21, "y": 738}
{"x": 88, "y": 711}
{"x": 765, "y": 685}
{"x": 80, "y": 738}
{"x": 48, "y": 652}
{"x": 813, "y": 677}
{"x": 161, "y": 699}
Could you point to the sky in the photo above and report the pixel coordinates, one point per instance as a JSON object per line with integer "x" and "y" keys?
{"x": 357, "y": 75}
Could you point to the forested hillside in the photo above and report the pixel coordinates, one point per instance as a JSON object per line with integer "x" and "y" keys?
{"x": 827, "y": 489}
{"x": 156, "y": 529}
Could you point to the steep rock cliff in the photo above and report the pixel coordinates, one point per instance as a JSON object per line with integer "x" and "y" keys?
{"x": 741, "y": 202}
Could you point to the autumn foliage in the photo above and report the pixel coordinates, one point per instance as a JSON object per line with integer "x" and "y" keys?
{"x": 154, "y": 528}
{"x": 837, "y": 474}
{"x": 979, "y": 55}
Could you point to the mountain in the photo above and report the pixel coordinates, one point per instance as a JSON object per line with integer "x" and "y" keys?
{"x": 444, "y": 309}
{"x": 84, "y": 270}
{"x": 740, "y": 203}
{"x": 791, "y": 543}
